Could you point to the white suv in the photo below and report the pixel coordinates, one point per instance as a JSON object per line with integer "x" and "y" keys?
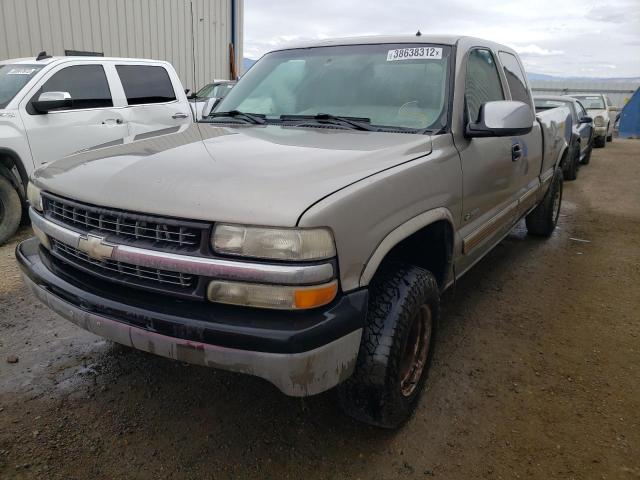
{"x": 51, "y": 107}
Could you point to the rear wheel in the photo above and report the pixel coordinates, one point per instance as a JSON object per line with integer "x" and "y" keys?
{"x": 396, "y": 347}
{"x": 10, "y": 210}
{"x": 544, "y": 218}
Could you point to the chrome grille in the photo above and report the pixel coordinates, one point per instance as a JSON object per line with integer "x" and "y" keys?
{"x": 121, "y": 224}
{"x": 113, "y": 268}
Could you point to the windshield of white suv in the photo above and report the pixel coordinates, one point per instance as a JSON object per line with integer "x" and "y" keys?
{"x": 13, "y": 78}
{"x": 392, "y": 86}
{"x": 591, "y": 102}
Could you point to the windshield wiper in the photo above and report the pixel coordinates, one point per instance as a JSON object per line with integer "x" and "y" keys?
{"x": 254, "y": 118}
{"x": 356, "y": 123}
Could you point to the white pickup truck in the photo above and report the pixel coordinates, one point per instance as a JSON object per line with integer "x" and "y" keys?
{"x": 51, "y": 107}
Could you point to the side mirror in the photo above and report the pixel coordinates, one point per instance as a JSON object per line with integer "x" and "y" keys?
{"x": 49, "y": 101}
{"x": 502, "y": 119}
{"x": 208, "y": 106}
{"x": 586, "y": 119}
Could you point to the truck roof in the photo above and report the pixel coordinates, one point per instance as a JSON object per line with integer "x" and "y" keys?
{"x": 48, "y": 61}
{"x": 377, "y": 39}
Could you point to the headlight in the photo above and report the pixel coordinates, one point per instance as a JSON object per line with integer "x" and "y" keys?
{"x": 271, "y": 296}
{"x": 34, "y": 197}
{"x": 273, "y": 243}
{"x": 599, "y": 121}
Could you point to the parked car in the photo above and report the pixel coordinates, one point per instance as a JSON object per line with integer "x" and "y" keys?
{"x": 216, "y": 91}
{"x": 54, "y": 106}
{"x": 599, "y": 107}
{"x": 305, "y": 232}
{"x": 581, "y": 125}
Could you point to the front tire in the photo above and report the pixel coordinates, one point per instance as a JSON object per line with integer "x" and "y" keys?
{"x": 10, "y": 210}
{"x": 600, "y": 142}
{"x": 571, "y": 170}
{"x": 587, "y": 156}
{"x": 396, "y": 348}
{"x": 544, "y": 218}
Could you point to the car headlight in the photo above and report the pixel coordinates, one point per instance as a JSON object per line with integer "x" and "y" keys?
{"x": 294, "y": 244}
{"x": 34, "y": 197}
{"x": 599, "y": 121}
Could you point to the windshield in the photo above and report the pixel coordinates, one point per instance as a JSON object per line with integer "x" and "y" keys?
{"x": 13, "y": 78}
{"x": 214, "y": 90}
{"x": 545, "y": 104}
{"x": 402, "y": 86}
{"x": 591, "y": 102}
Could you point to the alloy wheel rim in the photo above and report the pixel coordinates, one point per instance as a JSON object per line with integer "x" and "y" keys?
{"x": 414, "y": 358}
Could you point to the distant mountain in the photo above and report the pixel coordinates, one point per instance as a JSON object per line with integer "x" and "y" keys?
{"x": 247, "y": 63}
{"x": 552, "y": 78}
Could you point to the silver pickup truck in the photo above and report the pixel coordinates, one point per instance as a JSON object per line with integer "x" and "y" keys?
{"x": 306, "y": 229}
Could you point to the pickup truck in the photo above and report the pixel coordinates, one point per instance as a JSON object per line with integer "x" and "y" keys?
{"x": 54, "y": 106}
{"x": 306, "y": 229}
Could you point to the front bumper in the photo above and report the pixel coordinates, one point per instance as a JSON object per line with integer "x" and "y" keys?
{"x": 600, "y": 131}
{"x": 301, "y": 353}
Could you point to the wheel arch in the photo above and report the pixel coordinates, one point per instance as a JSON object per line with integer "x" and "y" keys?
{"x": 426, "y": 240}
{"x": 9, "y": 160}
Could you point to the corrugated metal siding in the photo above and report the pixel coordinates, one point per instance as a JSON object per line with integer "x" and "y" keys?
{"x": 158, "y": 29}
{"x": 618, "y": 91}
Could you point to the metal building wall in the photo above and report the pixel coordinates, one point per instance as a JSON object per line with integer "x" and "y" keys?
{"x": 618, "y": 91}
{"x": 178, "y": 31}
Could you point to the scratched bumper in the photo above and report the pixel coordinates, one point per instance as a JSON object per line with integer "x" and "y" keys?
{"x": 297, "y": 374}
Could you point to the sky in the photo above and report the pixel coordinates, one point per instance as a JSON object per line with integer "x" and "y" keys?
{"x": 578, "y": 38}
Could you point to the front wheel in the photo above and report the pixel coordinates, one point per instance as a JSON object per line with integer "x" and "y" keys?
{"x": 10, "y": 210}
{"x": 571, "y": 169}
{"x": 599, "y": 142}
{"x": 544, "y": 218}
{"x": 396, "y": 348}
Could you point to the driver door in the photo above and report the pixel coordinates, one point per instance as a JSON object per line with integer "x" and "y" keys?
{"x": 489, "y": 166}
{"x": 91, "y": 121}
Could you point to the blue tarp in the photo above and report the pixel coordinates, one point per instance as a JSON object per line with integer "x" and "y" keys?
{"x": 630, "y": 118}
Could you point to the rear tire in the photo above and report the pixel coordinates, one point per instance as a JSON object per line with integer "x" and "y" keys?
{"x": 544, "y": 218}
{"x": 396, "y": 348}
{"x": 10, "y": 210}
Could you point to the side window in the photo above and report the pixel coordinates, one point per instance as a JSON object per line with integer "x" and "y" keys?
{"x": 482, "y": 83}
{"x": 515, "y": 78}
{"x": 87, "y": 85}
{"x": 145, "y": 84}
{"x": 581, "y": 110}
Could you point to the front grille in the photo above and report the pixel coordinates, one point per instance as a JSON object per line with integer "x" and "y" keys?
{"x": 122, "y": 271}
{"x": 126, "y": 226}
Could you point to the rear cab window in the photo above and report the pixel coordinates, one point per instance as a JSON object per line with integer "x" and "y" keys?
{"x": 515, "y": 78}
{"x": 87, "y": 85}
{"x": 145, "y": 84}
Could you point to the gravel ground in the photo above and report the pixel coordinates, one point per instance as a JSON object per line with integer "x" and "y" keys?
{"x": 536, "y": 375}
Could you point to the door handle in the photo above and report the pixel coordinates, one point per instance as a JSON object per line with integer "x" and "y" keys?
{"x": 516, "y": 151}
{"x": 111, "y": 121}
{"x": 179, "y": 115}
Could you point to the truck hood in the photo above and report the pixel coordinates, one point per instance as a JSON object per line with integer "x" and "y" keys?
{"x": 594, "y": 112}
{"x": 263, "y": 175}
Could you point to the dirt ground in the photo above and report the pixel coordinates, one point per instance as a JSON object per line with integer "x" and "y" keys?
{"x": 536, "y": 376}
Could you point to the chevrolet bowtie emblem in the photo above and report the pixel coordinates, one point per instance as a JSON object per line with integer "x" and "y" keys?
{"x": 95, "y": 247}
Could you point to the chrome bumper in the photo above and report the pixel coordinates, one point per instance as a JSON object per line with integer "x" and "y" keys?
{"x": 209, "y": 267}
